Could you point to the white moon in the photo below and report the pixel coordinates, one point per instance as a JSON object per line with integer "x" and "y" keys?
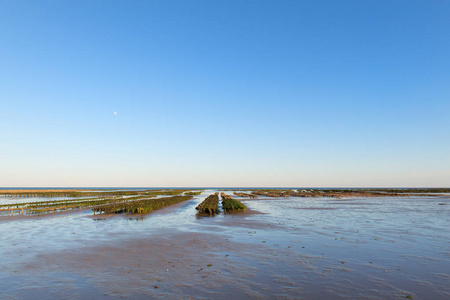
{"x": 115, "y": 113}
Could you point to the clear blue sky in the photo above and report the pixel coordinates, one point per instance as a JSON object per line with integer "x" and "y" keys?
{"x": 225, "y": 93}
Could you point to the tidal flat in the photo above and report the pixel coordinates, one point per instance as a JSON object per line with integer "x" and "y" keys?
{"x": 287, "y": 244}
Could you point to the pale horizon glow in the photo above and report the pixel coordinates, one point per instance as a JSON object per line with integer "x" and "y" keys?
{"x": 225, "y": 94}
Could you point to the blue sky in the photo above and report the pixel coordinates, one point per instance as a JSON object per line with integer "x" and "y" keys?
{"x": 225, "y": 93}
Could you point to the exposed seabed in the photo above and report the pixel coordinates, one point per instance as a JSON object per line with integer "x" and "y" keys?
{"x": 303, "y": 248}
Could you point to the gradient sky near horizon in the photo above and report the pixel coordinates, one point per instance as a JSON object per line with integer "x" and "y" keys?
{"x": 225, "y": 93}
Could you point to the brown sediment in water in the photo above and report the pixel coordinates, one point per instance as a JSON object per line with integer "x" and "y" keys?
{"x": 170, "y": 264}
{"x": 177, "y": 265}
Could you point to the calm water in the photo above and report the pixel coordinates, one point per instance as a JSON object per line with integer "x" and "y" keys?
{"x": 378, "y": 248}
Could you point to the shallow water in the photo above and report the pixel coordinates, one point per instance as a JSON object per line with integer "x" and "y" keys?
{"x": 14, "y": 200}
{"x": 312, "y": 248}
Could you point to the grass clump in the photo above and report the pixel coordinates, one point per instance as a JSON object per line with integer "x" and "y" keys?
{"x": 193, "y": 193}
{"x": 210, "y": 205}
{"x": 230, "y": 205}
{"x": 142, "y": 206}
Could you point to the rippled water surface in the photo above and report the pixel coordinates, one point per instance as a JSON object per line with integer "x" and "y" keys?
{"x": 311, "y": 248}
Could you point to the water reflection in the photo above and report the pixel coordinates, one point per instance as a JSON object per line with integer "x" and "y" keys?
{"x": 401, "y": 238}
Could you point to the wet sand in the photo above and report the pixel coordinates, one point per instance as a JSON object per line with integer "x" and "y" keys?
{"x": 292, "y": 249}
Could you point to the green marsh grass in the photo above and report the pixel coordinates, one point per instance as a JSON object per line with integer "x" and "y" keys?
{"x": 230, "y": 205}
{"x": 210, "y": 205}
{"x": 142, "y": 206}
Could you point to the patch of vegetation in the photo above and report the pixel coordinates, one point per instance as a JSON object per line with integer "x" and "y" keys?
{"x": 340, "y": 193}
{"x": 210, "y": 205}
{"x": 193, "y": 193}
{"x": 86, "y": 193}
{"x": 58, "y": 206}
{"x": 142, "y": 206}
{"x": 230, "y": 205}
{"x": 108, "y": 197}
{"x": 245, "y": 195}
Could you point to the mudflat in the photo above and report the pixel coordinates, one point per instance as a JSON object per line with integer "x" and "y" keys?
{"x": 295, "y": 248}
